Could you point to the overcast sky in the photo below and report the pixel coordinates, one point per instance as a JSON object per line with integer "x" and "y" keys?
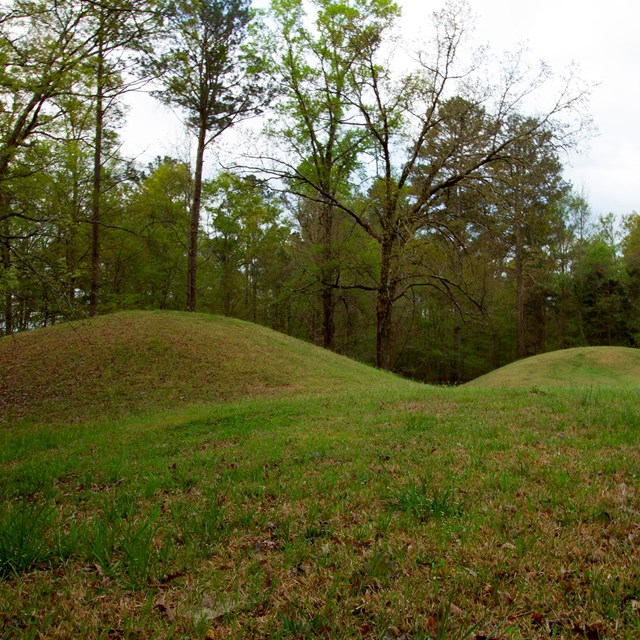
{"x": 601, "y": 37}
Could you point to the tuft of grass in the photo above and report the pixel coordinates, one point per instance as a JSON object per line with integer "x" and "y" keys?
{"x": 23, "y": 539}
{"x": 140, "y": 551}
{"x": 422, "y": 501}
{"x": 102, "y": 538}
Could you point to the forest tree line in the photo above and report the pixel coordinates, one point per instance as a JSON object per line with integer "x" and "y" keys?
{"x": 404, "y": 208}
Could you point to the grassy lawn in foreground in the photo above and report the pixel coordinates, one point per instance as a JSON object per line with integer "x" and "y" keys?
{"x": 400, "y": 511}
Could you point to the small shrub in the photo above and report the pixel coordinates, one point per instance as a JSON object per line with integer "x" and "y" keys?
{"x": 379, "y": 568}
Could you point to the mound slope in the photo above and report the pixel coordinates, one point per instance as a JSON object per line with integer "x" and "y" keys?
{"x": 582, "y": 366}
{"x": 133, "y": 362}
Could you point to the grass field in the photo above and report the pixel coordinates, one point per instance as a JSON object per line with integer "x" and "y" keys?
{"x": 377, "y": 508}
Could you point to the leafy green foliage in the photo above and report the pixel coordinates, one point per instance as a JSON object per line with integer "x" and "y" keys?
{"x": 202, "y": 68}
{"x": 248, "y": 238}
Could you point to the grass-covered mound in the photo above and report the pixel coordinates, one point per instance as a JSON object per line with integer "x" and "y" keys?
{"x": 378, "y": 508}
{"x": 580, "y": 367}
{"x": 128, "y": 363}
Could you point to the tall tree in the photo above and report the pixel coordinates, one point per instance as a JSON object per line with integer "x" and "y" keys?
{"x": 244, "y": 234}
{"x": 528, "y": 187}
{"x": 600, "y": 284}
{"x": 122, "y": 27}
{"x": 59, "y": 59}
{"x": 206, "y": 72}
{"x": 313, "y": 63}
{"x": 160, "y": 208}
{"x": 631, "y": 258}
{"x": 422, "y": 144}
{"x": 42, "y": 50}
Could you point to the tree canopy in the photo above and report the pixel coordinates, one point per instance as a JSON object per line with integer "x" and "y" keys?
{"x": 408, "y": 208}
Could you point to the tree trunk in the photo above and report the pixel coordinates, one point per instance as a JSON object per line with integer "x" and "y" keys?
{"x": 383, "y": 329}
{"x": 384, "y": 308}
{"x": 457, "y": 340}
{"x": 347, "y": 326}
{"x": 194, "y": 226}
{"x": 6, "y": 263}
{"x": 254, "y": 293}
{"x": 520, "y": 315}
{"x": 97, "y": 181}
{"x": 227, "y": 288}
{"x": 327, "y": 271}
{"x": 328, "y": 324}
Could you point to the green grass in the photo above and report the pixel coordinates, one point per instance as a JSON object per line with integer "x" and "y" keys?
{"x": 579, "y": 367}
{"x": 380, "y": 509}
{"x": 134, "y": 362}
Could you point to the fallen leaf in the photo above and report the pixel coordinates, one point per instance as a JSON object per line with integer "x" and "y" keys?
{"x": 207, "y": 602}
{"x": 170, "y": 577}
{"x": 592, "y": 632}
{"x": 166, "y": 610}
{"x": 537, "y": 618}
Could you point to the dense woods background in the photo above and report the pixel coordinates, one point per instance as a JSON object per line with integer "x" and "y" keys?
{"x": 405, "y": 208}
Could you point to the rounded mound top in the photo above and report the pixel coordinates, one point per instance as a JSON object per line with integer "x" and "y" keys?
{"x": 582, "y": 366}
{"x": 133, "y": 362}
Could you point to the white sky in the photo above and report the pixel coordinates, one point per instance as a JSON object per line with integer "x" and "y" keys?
{"x": 601, "y": 37}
